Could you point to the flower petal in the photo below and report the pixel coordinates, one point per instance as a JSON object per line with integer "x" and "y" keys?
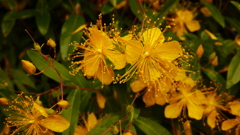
{"x": 173, "y": 110}
{"x": 137, "y": 86}
{"x": 101, "y": 100}
{"x": 193, "y": 25}
{"x": 56, "y": 123}
{"x": 152, "y": 37}
{"x": 91, "y": 65}
{"x": 169, "y": 51}
{"x": 149, "y": 97}
{"x": 133, "y": 50}
{"x": 194, "y": 111}
{"x": 80, "y": 131}
{"x": 211, "y": 119}
{"x": 228, "y": 124}
{"x": 117, "y": 58}
{"x": 92, "y": 121}
{"x": 105, "y": 75}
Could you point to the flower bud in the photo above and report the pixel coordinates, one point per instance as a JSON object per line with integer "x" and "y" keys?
{"x": 3, "y": 101}
{"x": 114, "y": 130}
{"x": 50, "y": 111}
{"x": 28, "y": 67}
{"x": 63, "y": 103}
{"x": 51, "y": 43}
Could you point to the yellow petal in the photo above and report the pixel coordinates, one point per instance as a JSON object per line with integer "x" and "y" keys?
{"x": 151, "y": 37}
{"x": 206, "y": 12}
{"x": 228, "y": 124}
{"x": 137, "y": 86}
{"x": 105, "y": 75}
{"x": 200, "y": 51}
{"x": 149, "y": 97}
{"x": 187, "y": 128}
{"x": 91, "y": 65}
{"x": 101, "y": 100}
{"x": 173, "y": 110}
{"x": 212, "y": 36}
{"x": 169, "y": 51}
{"x": 133, "y": 50}
{"x": 92, "y": 121}
{"x": 39, "y": 110}
{"x": 80, "y": 131}
{"x": 117, "y": 58}
{"x": 99, "y": 39}
{"x": 56, "y": 123}
{"x": 235, "y": 107}
{"x": 193, "y": 25}
{"x": 194, "y": 111}
{"x": 211, "y": 119}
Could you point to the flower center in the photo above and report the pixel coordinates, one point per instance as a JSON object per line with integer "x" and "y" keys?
{"x": 99, "y": 50}
{"x": 146, "y": 54}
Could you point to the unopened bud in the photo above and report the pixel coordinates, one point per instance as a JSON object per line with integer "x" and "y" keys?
{"x": 28, "y": 67}
{"x": 114, "y": 130}
{"x": 50, "y": 111}
{"x": 3, "y": 101}
{"x": 37, "y": 47}
{"x": 39, "y": 102}
{"x": 63, "y": 103}
{"x": 237, "y": 40}
{"x": 51, "y": 43}
{"x": 129, "y": 109}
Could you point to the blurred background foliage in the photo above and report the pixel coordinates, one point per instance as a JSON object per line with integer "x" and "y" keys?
{"x": 58, "y": 19}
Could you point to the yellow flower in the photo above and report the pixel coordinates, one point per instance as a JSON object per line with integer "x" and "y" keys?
{"x": 187, "y": 97}
{"x": 153, "y": 94}
{"x": 29, "y": 118}
{"x": 89, "y": 124}
{"x": 214, "y": 103}
{"x": 97, "y": 49}
{"x": 184, "y": 20}
{"x": 230, "y": 123}
{"x": 150, "y": 57}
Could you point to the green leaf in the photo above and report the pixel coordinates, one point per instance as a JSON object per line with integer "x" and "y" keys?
{"x": 234, "y": 23}
{"x": 11, "y": 4}
{"x": 107, "y": 8}
{"x": 106, "y": 124}
{"x": 43, "y": 16}
{"x": 7, "y": 24}
{"x": 41, "y": 64}
{"x": 73, "y": 22}
{"x": 23, "y": 78}
{"x": 10, "y": 18}
{"x": 236, "y": 4}
{"x": 217, "y": 79}
{"x": 150, "y": 127}
{"x": 168, "y": 5}
{"x": 71, "y": 113}
{"x": 233, "y": 74}
{"x": 215, "y": 12}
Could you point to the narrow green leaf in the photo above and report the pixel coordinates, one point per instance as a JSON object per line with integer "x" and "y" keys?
{"x": 150, "y": 127}
{"x": 7, "y": 24}
{"x": 43, "y": 16}
{"x": 23, "y": 78}
{"x": 11, "y": 4}
{"x": 71, "y": 113}
{"x": 234, "y": 23}
{"x": 217, "y": 79}
{"x": 215, "y": 12}
{"x": 10, "y": 18}
{"x": 236, "y": 4}
{"x": 233, "y": 74}
{"x": 41, "y": 64}
{"x": 107, "y": 8}
{"x": 104, "y": 125}
{"x": 73, "y": 22}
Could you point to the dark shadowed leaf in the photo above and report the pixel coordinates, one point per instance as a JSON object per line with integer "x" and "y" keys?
{"x": 150, "y": 127}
